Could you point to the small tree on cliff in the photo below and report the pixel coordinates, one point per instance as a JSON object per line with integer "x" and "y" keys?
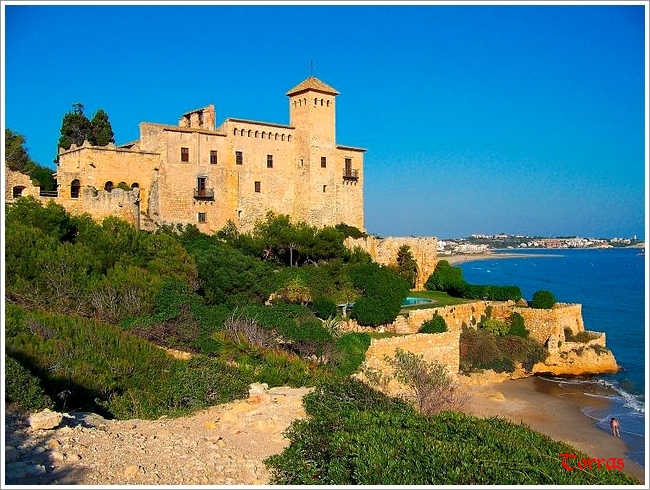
{"x": 543, "y": 300}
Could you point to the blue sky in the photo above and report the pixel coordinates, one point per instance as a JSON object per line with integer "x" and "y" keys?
{"x": 524, "y": 118}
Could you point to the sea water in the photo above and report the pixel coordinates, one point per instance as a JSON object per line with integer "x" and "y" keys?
{"x": 610, "y": 284}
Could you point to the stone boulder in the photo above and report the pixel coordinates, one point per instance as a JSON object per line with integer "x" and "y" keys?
{"x": 45, "y": 420}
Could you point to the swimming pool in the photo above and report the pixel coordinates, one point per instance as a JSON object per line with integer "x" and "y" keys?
{"x": 410, "y": 301}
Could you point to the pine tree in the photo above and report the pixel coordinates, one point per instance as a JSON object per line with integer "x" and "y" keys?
{"x": 16, "y": 157}
{"x": 76, "y": 128}
{"x": 101, "y": 130}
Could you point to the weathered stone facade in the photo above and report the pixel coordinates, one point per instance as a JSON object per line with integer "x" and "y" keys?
{"x": 19, "y": 185}
{"x": 194, "y": 173}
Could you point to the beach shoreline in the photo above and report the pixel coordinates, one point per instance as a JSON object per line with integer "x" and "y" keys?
{"x": 461, "y": 258}
{"x": 546, "y": 407}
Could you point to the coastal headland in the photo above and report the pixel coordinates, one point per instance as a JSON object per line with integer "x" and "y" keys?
{"x": 542, "y": 405}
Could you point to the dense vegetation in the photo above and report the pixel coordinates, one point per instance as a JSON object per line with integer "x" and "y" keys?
{"x": 450, "y": 279}
{"x": 354, "y": 435}
{"x": 83, "y": 294}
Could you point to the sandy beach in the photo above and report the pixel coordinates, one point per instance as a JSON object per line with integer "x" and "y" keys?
{"x": 545, "y": 407}
{"x": 459, "y": 258}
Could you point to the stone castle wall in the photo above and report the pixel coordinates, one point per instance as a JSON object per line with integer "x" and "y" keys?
{"x": 384, "y": 251}
{"x": 441, "y": 348}
{"x": 19, "y": 184}
{"x": 545, "y": 326}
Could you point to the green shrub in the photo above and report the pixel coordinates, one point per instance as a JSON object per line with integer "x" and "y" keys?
{"x": 437, "y": 324}
{"x": 23, "y": 388}
{"x": 517, "y": 326}
{"x": 494, "y": 326}
{"x": 543, "y": 300}
{"x": 323, "y": 307}
{"x": 445, "y": 277}
{"x": 354, "y": 435}
{"x": 351, "y": 352}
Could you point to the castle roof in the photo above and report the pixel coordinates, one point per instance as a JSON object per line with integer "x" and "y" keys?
{"x": 312, "y": 83}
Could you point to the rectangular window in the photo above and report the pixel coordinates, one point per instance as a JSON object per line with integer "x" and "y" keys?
{"x": 200, "y": 186}
{"x": 201, "y": 217}
{"x": 213, "y": 157}
{"x": 258, "y": 186}
{"x": 348, "y": 166}
{"x": 239, "y": 158}
{"x": 269, "y": 161}
{"x": 323, "y": 162}
{"x": 185, "y": 154}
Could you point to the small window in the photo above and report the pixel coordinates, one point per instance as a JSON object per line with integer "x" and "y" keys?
{"x": 108, "y": 186}
{"x": 18, "y": 191}
{"x": 323, "y": 162}
{"x": 258, "y": 186}
{"x": 75, "y": 187}
{"x": 185, "y": 154}
{"x": 269, "y": 161}
{"x": 201, "y": 217}
{"x": 324, "y": 188}
{"x": 213, "y": 157}
{"x": 239, "y": 158}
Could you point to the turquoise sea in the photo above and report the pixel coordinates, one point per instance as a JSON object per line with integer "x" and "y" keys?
{"x": 611, "y": 285}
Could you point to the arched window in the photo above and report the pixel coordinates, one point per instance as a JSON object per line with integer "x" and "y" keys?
{"x": 18, "y": 191}
{"x": 289, "y": 138}
{"x": 235, "y": 132}
{"x": 263, "y": 134}
{"x": 108, "y": 186}
{"x": 315, "y": 100}
{"x": 135, "y": 185}
{"x": 242, "y": 133}
{"x": 276, "y": 136}
{"x": 321, "y": 102}
{"x": 122, "y": 185}
{"x": 282, "y": 137}
{"x": 249, "y": 133}
{"x": 257, "y": 133}
{"x": 328, "y": 103}
{"x": 75, "y": 187}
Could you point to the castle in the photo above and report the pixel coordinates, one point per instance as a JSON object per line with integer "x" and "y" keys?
{"x": 196, "y": 173}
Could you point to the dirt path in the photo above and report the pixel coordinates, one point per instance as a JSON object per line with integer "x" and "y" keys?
{"x": 223, "y": 445}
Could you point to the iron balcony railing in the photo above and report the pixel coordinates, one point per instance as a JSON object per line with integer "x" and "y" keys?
{"x": 203, "y": 193}
{"x": 351, "y": 174}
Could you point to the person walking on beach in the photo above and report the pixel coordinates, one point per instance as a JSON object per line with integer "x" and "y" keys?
{"x": 615, "y": 427}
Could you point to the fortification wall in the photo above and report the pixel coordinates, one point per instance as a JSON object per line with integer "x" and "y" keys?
{"x": 19, "y": 183}
{"x": 441, "y": 348}
{"x": 384, "y": 251}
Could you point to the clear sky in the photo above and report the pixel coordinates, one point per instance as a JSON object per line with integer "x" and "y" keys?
{"x": 516, "y": 118}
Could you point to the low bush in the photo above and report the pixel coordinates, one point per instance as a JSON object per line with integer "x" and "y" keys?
{"x": 437, "y": 324}
{"x": 23, "y": 388}
{"x": 430, "y": 387}
{"x": 479, "y": 349}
